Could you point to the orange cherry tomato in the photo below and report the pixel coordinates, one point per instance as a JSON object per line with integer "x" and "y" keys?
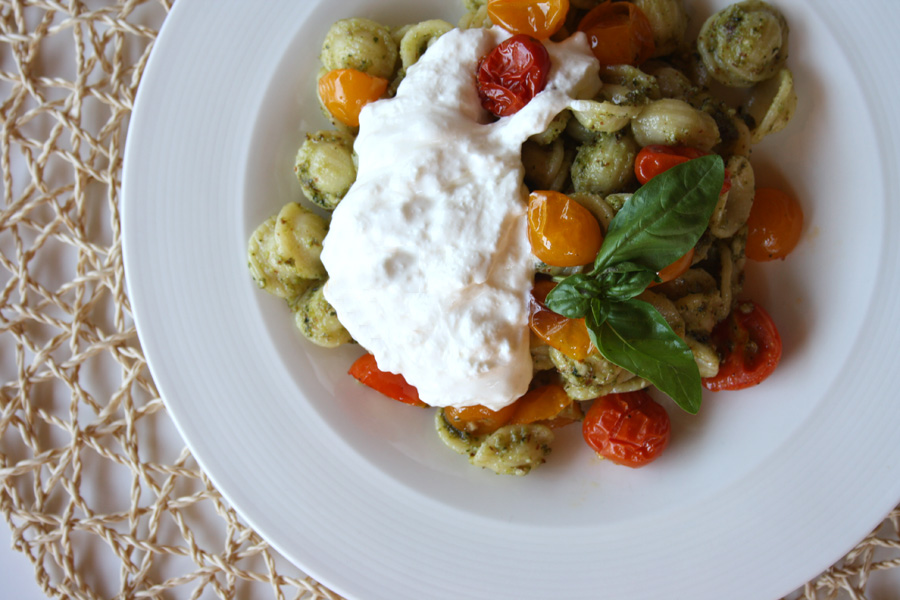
{"x": 540, "y": 404}
{"x": 655, "y": 159}
{"x": 619, "y": 33}
{"x": 629, "y": 429}
{"x": 676, "y": 269}
{"x": 537, "y": 18}
{"x": 344, "y": 92}
{"x": 774, "y": 225}
{"x": 562, "y": 232}
{"x": 478, "y": 419}
{"x": 393, "y": 385}
{"x": 749, "y": 347}
{"x": 569, "y": 336}
{"x": 512, "y": 74}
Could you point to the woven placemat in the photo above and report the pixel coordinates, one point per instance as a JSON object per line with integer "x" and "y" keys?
{"x": 69, "y": 70}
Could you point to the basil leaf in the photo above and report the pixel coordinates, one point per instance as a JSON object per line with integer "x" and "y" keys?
{"x": 626, "y": 280}
{"x": 598, "y": 314}
{"x": 666, "y": 217}
{"x": 637, "y": 338}
{"x": 572, "y": 296}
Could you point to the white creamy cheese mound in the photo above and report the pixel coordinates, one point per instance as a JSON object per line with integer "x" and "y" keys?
{"x": 428, "y": 258}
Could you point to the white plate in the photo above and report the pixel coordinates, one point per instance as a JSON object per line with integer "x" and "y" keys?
{"x": 756, "y": 495}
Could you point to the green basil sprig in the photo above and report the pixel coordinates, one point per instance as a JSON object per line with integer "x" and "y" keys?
{"x": 661, "y": 222}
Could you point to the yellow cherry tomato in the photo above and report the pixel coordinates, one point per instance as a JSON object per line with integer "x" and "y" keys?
{"x": 344, "y": 92}
{"x": 562, "y": 232}
{"x": 537, "y": 18}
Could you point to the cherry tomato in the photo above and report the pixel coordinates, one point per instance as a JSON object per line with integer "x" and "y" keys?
{"x": 540, "y": 404}
{"x": 619, "y": 33}
{"x": 629, "y": 429}
{"x": 569, "y": 336}
{"x": 512, "y": 74}
{"x": 344, "y": 92}
{"x": 774, "y": 225}
{"x": 537, "y": 18}
{"x": 749, "y": 346}
{"x": 478, "y": 419}
{"x": 676, "y": 269}
{"x": 655, "y": 159}
{"x": 562, "y": 232}
{"x": 393, "y": 385}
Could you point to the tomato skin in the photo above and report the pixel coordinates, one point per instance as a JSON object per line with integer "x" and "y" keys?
{"x": 749, "y": 346}
{"x": 562, "y": 232}
{"x": 392, "y": 385}
{"x": 774, "y": 225}
{"x": 569, "y": 336}
{"x": 344, "y": 92}
{"x": 511, "y": 74}
{"x": 537, "y": 18}
{"x": 478, "y": 419}
{"x": 676, "y": 269}
{"x": 619, "y": 33}
{"x": 629, "y": 429}
{"x": 655, "y": 159}
{"x": 540, "y": 404}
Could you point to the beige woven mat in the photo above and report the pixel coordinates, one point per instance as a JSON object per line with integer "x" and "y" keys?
{"x": 77, "y": 406}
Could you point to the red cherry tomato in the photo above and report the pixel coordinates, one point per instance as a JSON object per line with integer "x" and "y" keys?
{"x": 655, "y": 159}
{"x": 569, "y": 336}
{"x": 619, "y": 33}
{"x": 676, "y": 269}
{"x": 512, "y": 74}
{"x": 562, "y": 232}
{"x": 749, "y": 346}
{"x": 393, "y": 385}
{"x": 539, "y": 18}
{"x": 774, "y": 225}
{"x": 629, "y": 429}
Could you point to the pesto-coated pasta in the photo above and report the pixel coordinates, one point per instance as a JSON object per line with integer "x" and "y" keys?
{"x": 772, "y": 105}
{"x": 733, "y": 207}
{"x": 418, "y": 38}
{"x": 605, "y": 165}
{"x": 360, "y": 44}
{"x": 603, "y": 116}
{"x": 674, "y": 122}
{"x": 268, "y": 268}
{"x": 325, "y": 167}
{"x": 744, "y": 44}
{"x": 299, "y": 234}
{"x": 668, "y": 20}
{"x": 514, "y": 449}
{"x": 546, "y": 167}
{"x": 317, "y": 320}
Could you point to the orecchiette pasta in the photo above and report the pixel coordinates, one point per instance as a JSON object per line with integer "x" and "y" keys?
{"x": 744, "y": 44}
{"x": 734, "y": 205}
{"x": 299, "y": 233}
{"x": 360, "y": 44}
{"x": 317, "y": 320}
{"x": 267, "y": 268}
{"x": 668, "y": 20}
{"x": 772, "y": 105}
{"x": 675, "y": 122}
{"x": 604, "y": 165}
{"x": 325, "y": 167}
{"x": 418, "y": 38}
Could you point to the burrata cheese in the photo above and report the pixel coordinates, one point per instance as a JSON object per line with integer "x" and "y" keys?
{"x": 429, "y": 264}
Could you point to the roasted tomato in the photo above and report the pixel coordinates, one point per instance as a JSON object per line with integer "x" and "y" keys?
{"x": 512, "y": 74}
{"x": 676, "y": 269}
{"x": 656, "y": 159}
{"x": 774, "y": 225}
{"x": 749, "y": 346}
{"x": 478, "y": 419}
{"x": 562, "y": 232}
{"x": 629, "y": 429}
{"x": 537, "y": 18}
{"x": 569, "y": 336}
{"x": 344, "y": 92}
{"x": 366, "y": 371}
{"x": 619, "y": 33}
